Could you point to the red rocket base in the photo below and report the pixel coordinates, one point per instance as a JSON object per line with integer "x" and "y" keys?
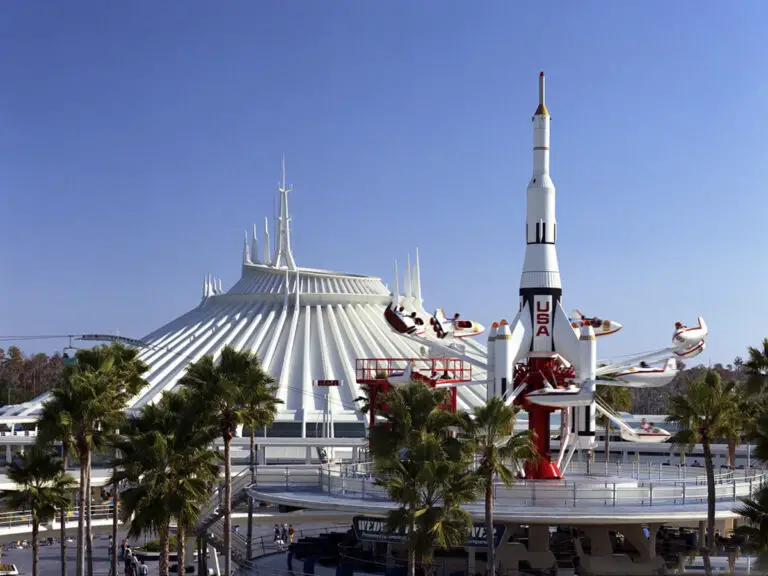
{"x": 538, "y": 416}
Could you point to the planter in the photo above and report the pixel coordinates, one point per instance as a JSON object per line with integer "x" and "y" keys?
{"x": 8, "y": 570}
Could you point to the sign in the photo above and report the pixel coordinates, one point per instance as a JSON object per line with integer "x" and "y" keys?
{"x": 543, "y": 306}
{"x": 327, "y": 383}
{"x": 375, "y": 530}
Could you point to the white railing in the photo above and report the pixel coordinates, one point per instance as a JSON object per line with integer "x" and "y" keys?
{"x": 23, "y": 518}
{"x": 590, "y": 492}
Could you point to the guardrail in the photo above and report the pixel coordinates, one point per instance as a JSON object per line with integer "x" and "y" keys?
{"x": 589, "y": 492}
{"x": 634, "y": 470}
{"x": 23, "y": 518}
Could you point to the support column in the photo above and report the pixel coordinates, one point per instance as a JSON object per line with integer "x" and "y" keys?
{"x": 189, "y": 554}
{"x": 471, "y": 570}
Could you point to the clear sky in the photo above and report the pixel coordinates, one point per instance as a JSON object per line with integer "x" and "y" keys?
{"x": 139, "y": 139}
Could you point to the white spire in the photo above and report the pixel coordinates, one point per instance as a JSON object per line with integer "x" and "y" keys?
{"x": 396, "y": 293}
{"x": 284, "y": 256}
{"x": 297, "y": 287}
{"x": 417, "y": 278}
{"x": 209, "y": 283}
{"x": 205, "y": 286}
{"x": 221, "y": 290}
{"x": 407, "y": 285}
{"x": 267, "y": 259}
{"x": 255, "y": 247}
{"x": 246, "y": 252}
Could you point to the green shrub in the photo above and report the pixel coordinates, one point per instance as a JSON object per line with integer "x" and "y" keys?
{"x": 154, "y": 545}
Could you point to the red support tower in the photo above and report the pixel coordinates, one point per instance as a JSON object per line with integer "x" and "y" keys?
{"x": 539, "y": 367}
{"x": 434, "y": 372}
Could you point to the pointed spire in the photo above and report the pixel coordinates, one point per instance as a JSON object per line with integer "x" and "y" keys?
{"x": 267, "y": 259}
{"x": 284, "y": 255}
{"x": 255, "y": 247}
{"x": 407, "y": 286}
{"x": 209, "y": 285}
{"x": 297, "y": 287}
{"x": 417, "y": 278}
{"x": 396, "y": 293}
{"x": 221, "y": 290}
{"x": 246, "y": 252}
{"x": 205, "y": 286}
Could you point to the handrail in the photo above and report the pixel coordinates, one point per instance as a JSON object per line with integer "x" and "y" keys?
{"x": 595, "y": 491}
{"x": 13, "y": 518}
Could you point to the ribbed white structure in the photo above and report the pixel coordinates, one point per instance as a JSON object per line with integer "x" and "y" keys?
{"x": 305, "y": 325}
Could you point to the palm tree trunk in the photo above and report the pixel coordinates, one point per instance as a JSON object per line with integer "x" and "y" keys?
{"x": 249, "y": 540}
{"x": 732, "y": 453}
{"x": 710, "y": 537}
{"x": 181, "y": 543}
{"x": 88, "y": 531}
{"x": 607, "y": 440}
{"x": 164, "y": 550}
{"x": 115, "y": 511}
{"x": 80, "y": 568}
{"x": 63, "y": 521}
{"x": 227, "y": 505}
{"x": 412, "y": 561}
{"x": 490, "y": 569}
{"x": 35, "y": 547}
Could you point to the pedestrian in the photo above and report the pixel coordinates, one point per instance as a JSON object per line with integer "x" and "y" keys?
{"x": 291, "y": 532}
{"x": 143, "y": 569}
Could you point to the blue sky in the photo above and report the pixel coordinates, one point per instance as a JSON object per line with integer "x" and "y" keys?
{"x": 139, "y": 139}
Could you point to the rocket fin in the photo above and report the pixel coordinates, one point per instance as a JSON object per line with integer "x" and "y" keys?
{"x": 522, "y": 334}
{"x": 565, "y": 339}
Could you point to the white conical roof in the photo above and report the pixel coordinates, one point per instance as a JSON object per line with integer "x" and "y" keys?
{"x": 314, "y": 333}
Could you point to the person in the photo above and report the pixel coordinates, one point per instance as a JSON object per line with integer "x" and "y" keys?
{"x": 291, "y": 532}
{"x": 644, "y": 425}
{"x": 284, "y": 534}
{"x": 143, "y": 569}
{"x": 128, "y": 561}
{"x": 135, "y": 565}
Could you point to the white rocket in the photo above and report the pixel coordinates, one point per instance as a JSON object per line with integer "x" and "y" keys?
{"x": 542, "y": 327}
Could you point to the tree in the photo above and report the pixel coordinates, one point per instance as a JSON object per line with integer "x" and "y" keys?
{"x": 754, "y": 510}
{"x": 88, "y": 407}
{"x": 423, "y": 467}
{"x": 617, "y": 398}
{"x": 55, "y": 425}
{"x": 756, "y": 369}
{"x": 219, "y": 391}
{"x": 44, "y": 488}
{"x": 702, "y": 415}
{"x": 169, "y": 467}
{"x": 259, "y": 405}
{"x": 491, "y": 433}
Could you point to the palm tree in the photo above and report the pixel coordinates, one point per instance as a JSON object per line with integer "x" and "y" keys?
{"x": 756, "y": 368}
{"x": 85, "y": 410}
{"x": 259, "y": 405}
{"x": 168, "y": 466}
{"x": 702, "y": 415}
{"x": 755, "y": 511}
{"x": 491, "y": 431}
{"x": 219, "y": 390}
{"x": 424, "y": 468}
{"x": 56, "y": 426}
{"x": 128, "y": 381}
{"x": 617, "y": 398}
{"x": 44, "y": 488}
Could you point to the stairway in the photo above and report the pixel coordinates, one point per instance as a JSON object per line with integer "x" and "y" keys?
{"x": 215, "y": 510}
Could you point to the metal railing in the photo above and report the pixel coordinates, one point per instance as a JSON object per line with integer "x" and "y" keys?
{"x": 589, "y": 491}
{"x": 23, "y": 518}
